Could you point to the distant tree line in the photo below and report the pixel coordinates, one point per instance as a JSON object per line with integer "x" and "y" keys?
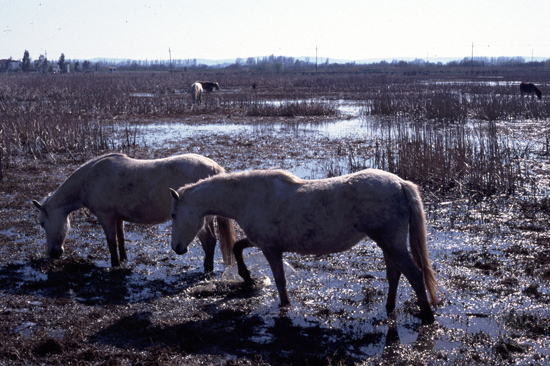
{"x": 43, "y": 65}
{"x": 271, "y": 63}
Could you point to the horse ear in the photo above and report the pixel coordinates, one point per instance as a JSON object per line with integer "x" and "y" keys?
{"x": 175, "y": 194}
{"x": 38, "y": 205}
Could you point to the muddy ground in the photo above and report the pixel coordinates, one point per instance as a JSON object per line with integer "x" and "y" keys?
{"x": 491, "y": 257}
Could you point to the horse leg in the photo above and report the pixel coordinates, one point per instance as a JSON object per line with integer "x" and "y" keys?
{"x": 208, "y": 241}
{"x": 275, "y": 259}
{"x": 404, "y": 263}
{"x": 238, "y": 252}
{"x": 393, "y": 275}
{"x": 398, "y": 259}
{"x": 109, "y": 227}
{"x": 120, "y": 238}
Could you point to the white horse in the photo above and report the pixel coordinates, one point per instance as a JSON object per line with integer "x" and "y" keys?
{"x": 116, "y": 188}
{"x": 279, "y": 213}
{"x": 196, "y": 92}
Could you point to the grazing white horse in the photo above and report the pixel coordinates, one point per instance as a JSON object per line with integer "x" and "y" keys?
{"x": 529, "y": 88}
{"x": 279, "y": 213}
{"x": 196, "y": 92}
{"x": 117, "y": 188}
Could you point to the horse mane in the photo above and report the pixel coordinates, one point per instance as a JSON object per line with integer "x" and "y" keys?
{"x": 284, "y": 175}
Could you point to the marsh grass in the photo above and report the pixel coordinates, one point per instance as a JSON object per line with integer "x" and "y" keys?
{"x": 292, "y": 109}
{"x": 429, "y": 129}
{"x": 528, "y": 321}
{"x": 468, "y": 159}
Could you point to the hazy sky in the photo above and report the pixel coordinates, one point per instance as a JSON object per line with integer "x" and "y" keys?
{"x": 227, "y": 29}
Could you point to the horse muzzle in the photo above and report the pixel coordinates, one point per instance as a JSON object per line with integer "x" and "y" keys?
{"x": 179, "y": 248}
{"x": 55, "y": 253}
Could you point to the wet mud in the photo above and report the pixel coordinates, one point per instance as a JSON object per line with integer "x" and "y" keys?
{"x": 491, "y": 258}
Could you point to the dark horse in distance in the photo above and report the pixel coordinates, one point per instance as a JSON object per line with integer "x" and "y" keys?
{"x": 209, "y": 86}
{"x": 530, "y": 88}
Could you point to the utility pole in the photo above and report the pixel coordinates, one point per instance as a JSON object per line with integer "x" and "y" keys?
{"x": 316, "y": 58}
{"x": 472, "y": 69}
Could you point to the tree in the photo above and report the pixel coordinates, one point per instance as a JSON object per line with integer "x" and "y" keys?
{"x": 26, "y": 63}
{"x": 251, "y": 61}
{"x": 61, "y": 63}
{"x": 44, "y": 63}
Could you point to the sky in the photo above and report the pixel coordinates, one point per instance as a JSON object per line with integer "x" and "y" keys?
{"x": 229, "y": 29}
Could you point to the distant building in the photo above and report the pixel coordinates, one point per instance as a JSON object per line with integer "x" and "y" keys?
{"x": 41, "y": 64}
{"x": 10, "y": 65}
{"x": 112, "y": 68}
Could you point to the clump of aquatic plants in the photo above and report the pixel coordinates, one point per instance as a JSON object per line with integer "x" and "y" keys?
{"x": 440, "y": 106}
{"x": 528, "y": 321}
{"x": 292, "y": 109}
{"x": 472, "y": 160}
{"x": 455, "y": 103}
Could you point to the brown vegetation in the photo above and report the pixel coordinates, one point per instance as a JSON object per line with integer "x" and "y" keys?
{"x": 475, "y": 147}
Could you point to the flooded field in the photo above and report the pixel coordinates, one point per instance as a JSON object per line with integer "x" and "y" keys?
{"x": 491, "y": 255}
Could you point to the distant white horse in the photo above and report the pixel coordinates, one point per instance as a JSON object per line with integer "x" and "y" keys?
{"x": 281, "y": 213}
{"x": 116, "y": 188}
{"x": 196, "y": 92}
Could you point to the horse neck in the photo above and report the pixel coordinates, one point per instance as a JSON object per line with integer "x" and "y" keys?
{"x": 220, "y": 197}
{"x": 68, "y": 196}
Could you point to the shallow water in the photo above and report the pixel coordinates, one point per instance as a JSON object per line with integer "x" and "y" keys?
{"x": 337, "y": 300}
{"x": 331, "y": 292}
{"x": 339, "y": 295}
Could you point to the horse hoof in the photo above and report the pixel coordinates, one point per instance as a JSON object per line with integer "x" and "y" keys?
{"x": 208, "y": 270}
{"x": 55, "y": 253}
{"x": 285, "y": 303}
{"x": 428, "y": 319}
{"x": 249, "y": 283}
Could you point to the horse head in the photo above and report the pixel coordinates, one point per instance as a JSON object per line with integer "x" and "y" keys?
{"x": 186, "y": 223}
{"x": 56, "y": 224}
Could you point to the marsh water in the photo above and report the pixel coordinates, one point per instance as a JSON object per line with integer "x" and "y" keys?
{"x": 492, "y": 310}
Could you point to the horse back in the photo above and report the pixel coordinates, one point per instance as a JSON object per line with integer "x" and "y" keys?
{"x": 328, "y": 215}
{"x": 138, "y": 190}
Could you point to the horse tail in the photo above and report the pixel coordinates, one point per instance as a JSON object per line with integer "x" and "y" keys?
{"x": 417, "y": 240}
{"x": 226, "y": 231}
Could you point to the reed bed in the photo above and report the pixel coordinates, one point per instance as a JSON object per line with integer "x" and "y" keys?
{"x": 292, "y": 109}
{"x": 472, "y": 160}
{"x": 451, "y": 106}
{"x": 433, "y": 137}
